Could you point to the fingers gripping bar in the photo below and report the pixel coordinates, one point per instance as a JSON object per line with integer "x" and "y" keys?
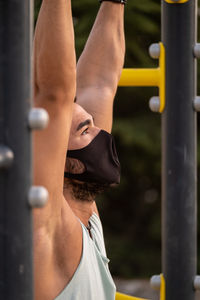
{"x": 115, "y": 1}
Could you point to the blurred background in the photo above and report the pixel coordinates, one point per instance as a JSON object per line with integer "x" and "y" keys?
{"x": 131, "y": 213}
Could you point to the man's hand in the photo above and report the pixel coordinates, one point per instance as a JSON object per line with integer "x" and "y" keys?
{"x": 54, "y": 49}
{"x": 115, "y": 1}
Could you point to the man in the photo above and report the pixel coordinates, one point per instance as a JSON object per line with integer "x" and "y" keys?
{"x": 69, "y": 254}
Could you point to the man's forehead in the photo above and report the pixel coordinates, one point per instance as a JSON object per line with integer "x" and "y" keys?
{"x": 78, "y": 108}
{"x": 79, "y": 115}
{"x": 79, "y": 112}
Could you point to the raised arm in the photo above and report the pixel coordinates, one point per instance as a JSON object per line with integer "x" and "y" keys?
{"x": 55, "y": 83}
{"x": 100, "y": 65}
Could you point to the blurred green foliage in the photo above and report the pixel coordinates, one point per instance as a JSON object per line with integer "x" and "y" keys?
{"x": 131, "y": 213}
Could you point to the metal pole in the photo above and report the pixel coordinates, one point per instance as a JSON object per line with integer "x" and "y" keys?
{"x": 179, "y": 176}
{"x": 15, "y": 177}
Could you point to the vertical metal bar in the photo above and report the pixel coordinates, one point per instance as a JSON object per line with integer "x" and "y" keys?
{"x": 15, "y": 101}
{"x": 179, "y": 225}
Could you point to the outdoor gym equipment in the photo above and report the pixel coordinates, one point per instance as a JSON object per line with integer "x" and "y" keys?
{"x": 17, "y": 119}
{"x": 178, "y": 103}
{"x": 179, "y": 165}
{"x": 120, "y": 296}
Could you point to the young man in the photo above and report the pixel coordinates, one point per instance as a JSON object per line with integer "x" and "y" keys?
{"x": 69, "y": 253}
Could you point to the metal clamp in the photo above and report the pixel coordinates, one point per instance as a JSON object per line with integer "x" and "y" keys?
{"x": 196, "y": 103}
{"x": 38, "y": 196}
{"x": 197, "y": 50}
{"x": 38, "y": 118}
{"x": 158, "y": 283}
{"x": 6, "y": 157}
{"x": 154, "y": 104}
{"x": 154, "y": 50}
{"x": 149, "y": 77}
{"x": 155, "y": 282}
{"x": 197, "y": 282}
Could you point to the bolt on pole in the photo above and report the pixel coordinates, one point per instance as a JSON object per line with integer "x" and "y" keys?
{"x": 15, "y": 150}
{"x": 179, "y": 165}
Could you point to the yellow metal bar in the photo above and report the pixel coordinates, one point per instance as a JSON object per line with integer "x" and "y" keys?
{"x": 120, "y": 296}
{"x": 173, "y": 2}
{"x": 140, "y": 77}
{"x": 162, "y": 288}
{"x": 162, "y": 77}
{"x": 148, "y": 77}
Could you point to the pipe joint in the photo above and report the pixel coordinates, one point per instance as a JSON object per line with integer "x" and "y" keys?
{"x": 6, "y": 157}
{"x": 154, "y": 104}
{"x": 38, "y": 118}
{"x": 38, "y": 196}
{"x": 196, "y": 103}
{"x": 154, "y": 50}
{"x": 155, "y": 282}
{"x": 196, "y": 50}
{"x": 197, "y": 282}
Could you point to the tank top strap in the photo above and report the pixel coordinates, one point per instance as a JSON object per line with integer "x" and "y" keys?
{"x": 97, "y": 234}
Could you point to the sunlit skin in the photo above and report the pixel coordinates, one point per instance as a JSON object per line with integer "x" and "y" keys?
{"x": 83, "y": 130}
{"x": 57, "y": 81}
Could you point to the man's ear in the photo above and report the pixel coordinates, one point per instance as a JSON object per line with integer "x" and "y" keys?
{"x": 74, "y": 166}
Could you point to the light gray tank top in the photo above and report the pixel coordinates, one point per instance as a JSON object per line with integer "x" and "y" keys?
{"x": 92, "y": 279}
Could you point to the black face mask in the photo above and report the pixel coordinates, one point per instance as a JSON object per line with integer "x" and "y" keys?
{"x": 100, "y": 160}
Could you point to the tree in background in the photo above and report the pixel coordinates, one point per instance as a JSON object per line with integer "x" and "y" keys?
{"x": 131, "y": 213}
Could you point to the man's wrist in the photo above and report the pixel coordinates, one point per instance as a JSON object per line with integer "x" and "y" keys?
{"x": 115, "y": 1}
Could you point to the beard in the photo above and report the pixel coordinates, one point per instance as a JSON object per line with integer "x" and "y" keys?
{"x": 85, "y": 191}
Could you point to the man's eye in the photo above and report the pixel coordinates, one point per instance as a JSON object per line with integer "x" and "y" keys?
{"x": 85, "y": 131}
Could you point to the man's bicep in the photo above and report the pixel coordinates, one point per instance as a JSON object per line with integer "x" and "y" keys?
{"x": 99, "y": 103}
